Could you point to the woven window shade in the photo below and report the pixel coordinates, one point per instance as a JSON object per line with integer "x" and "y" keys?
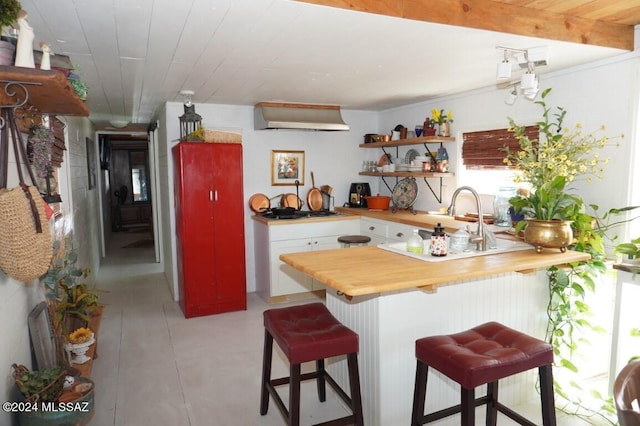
{"x": 485, "y": 149}
{"x": 57, "y": 153}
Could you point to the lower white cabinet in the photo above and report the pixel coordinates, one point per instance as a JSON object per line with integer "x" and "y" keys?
{"x": 275, "y": 278}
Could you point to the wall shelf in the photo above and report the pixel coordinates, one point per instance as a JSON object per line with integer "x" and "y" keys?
{"x": 409, "y": 174}
{"x": 425, "y": 140}
{"x": 48, "y": 92}
{"x": 405, "y": 142}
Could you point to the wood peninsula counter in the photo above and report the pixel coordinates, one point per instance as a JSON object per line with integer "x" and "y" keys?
{"x": 370, "y": 270}
{"x": 381, "y": 296}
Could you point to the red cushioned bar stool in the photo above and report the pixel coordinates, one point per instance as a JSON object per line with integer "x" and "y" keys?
{"x": 309, "y": 333}
{"x": 483, "y": 355}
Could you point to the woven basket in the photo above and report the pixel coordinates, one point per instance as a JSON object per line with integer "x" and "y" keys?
{"x": 25, "y": 254}
{"x": 214, "y": 136}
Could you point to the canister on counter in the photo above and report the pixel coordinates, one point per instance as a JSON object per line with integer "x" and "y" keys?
{"x": 439, "y": 241}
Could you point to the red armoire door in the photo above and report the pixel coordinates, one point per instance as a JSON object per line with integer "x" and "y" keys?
{"x": 209, "y": 227}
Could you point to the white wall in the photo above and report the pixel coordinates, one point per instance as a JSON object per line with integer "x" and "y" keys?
{"x": 17, "y": 299}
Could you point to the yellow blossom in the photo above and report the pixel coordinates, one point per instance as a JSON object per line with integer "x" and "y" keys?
{"x": 80, "y": 335}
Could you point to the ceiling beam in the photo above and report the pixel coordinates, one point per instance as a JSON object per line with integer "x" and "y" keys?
{"x": 497, "y": 16}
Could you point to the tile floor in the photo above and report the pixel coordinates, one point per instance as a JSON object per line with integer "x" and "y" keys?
{"x": 157, "y": 368}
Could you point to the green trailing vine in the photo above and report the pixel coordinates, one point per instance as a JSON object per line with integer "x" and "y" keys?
{"x": 570, "y": 316}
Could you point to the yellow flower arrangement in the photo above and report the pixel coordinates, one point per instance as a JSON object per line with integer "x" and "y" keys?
{"x": 549, "y": 164}
{"x": 80, "y": 335}
{"x": 440, "y": 118}
{"x": 565, "y": 152}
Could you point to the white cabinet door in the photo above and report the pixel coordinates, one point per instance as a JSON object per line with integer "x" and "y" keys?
{"x": 284, "y": 278}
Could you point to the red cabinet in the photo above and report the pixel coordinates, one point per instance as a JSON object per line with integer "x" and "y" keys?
{"x": 209, "y": 227}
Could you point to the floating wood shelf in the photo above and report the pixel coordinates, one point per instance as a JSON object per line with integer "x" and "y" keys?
{"x": 48, "y": 92}
{"x": 405, "y": 142}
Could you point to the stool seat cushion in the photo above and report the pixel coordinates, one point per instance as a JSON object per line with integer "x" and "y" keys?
{"x": 484, "y": 354}
{"x": 354, "y": 239}
{"x": 309, "y": 332}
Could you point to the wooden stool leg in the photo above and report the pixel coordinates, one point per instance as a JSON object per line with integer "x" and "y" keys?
{"x": 467, "y": 401}
{"x": 320, "y": 380}
{"x": 354, "y": 383}
{"x": 492, "y": 404}
{"x": 419, "y": 393}
{"x": 266, "y": 372}
{"x": 294, "y": 395}
{"x": 546, "y": 395}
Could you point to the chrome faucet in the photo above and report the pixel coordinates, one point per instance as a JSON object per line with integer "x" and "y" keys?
{"x": 480, "y": 237}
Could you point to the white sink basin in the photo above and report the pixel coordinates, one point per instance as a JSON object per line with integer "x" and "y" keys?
{"x": 503, "y": 246}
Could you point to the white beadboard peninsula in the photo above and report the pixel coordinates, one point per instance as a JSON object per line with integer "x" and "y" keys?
{"x": 391, "y": 300}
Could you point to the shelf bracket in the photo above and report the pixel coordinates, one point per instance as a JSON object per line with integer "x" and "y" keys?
{"x": 15, "y": 90}
{"x": 387, "y": 185}
{"x": 433, "y": 157}
{"x": 438, "y": 197}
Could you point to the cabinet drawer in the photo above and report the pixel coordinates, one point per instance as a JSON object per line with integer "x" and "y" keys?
{"x": 400, "y": 232}
{"x": 373, "y": 227}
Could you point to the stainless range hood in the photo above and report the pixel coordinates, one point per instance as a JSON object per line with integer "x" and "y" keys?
{"x": 272, "y": 115}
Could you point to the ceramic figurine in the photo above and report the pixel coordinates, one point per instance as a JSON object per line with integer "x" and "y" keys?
{"x": 24, "y": 50}
{"x": 45, "y": 62}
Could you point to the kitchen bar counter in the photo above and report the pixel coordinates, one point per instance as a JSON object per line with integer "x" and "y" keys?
{"x": 370, "y": 270}
{"x": 387, "y": 306}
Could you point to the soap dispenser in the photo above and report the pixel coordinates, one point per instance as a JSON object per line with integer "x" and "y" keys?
{"x": 439, "y": 241}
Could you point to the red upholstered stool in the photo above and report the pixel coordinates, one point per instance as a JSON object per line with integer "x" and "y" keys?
{"x": 309, "y": 333}
{"x": 482, "y": 355}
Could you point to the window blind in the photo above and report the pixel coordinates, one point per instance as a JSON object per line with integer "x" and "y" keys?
{"x": 485, "y": 149}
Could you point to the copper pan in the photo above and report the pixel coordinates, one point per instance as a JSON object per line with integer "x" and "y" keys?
{"x": 314, "y": 196}
{"x": 259, "y": 203}
{"x": 291, "y": 200}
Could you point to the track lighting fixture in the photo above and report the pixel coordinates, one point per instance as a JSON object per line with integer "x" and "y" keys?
{"x": 529, "y": 82}
{"x": 504, "y": 68}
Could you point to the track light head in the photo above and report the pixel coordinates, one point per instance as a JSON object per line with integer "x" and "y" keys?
{"x": 187, "y": 94}
{"x": 512, "y": 96}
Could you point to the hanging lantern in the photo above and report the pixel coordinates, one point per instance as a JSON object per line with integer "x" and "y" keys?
{"x": 190, "y": 122}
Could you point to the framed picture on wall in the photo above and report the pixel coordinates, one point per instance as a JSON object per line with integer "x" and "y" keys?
{"x": 287, "y": 167}
{"x": 91, "y": 163}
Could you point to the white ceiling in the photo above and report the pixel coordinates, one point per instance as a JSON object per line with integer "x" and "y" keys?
{"x": 137, "y": 54}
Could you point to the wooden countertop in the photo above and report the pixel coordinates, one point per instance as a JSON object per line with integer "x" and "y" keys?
{"x": 420, "y": 219}
{"x": 315, "y": 219}
{"x": 359, "y": 271}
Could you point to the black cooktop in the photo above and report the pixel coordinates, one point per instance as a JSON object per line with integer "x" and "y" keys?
{"x": 296, "y": 214}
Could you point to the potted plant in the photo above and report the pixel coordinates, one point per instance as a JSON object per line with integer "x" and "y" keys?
{"x": 72, "y": 303}
{"x": 39, "y": 145}
{"x": 79, "y": 87}
{"x": 548, "y": 165}
{"x": 443, "y": 121}
{"x": 8, "y": 16}
{"x": 56, "y": 398}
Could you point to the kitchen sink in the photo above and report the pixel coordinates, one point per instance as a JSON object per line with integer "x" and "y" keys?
{"x": 502, "y": 246}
